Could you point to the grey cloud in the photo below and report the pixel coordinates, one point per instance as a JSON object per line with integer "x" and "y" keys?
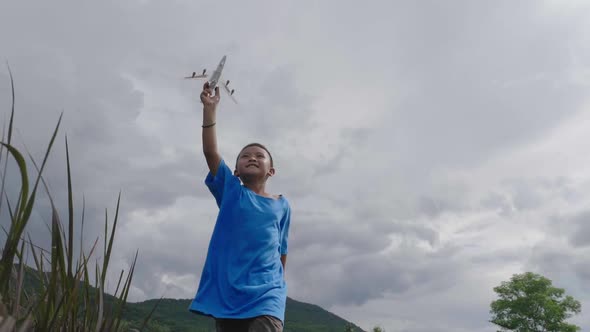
{"x": 497, "y": 201}
{"x": 407, "y": 229}
{"x": 351, "y": 141}
{"x": 336, "y": 255}
{"x": 565, "y": 266}
{"x": 477, "y": 94}
{"x": 429, "y": 206}
{"x": 583, "y": 271}
{"x": 550, "y": 258}
{"x": 497, "y": 257}
{"x": 571, "y": 226}
{"x": 525, "y": 199}
{"x": 332, "y": 237}
{"x": 434, "y": 204}
{"x": 357, "y": 278}
{"x": 277, "y": 111}
{"x": 528, "y": 194}
{"x": 580, "y": 236}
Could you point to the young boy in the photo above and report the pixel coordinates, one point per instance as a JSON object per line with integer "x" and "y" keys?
{"x": 242, "y": 284}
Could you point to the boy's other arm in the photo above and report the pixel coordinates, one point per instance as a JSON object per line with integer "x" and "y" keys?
{"x": 284, "y": 261}
{"x": 209, "y": 135}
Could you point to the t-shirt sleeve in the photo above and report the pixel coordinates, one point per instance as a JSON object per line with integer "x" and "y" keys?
{"x": 284, "y": 231}
{"x": 219, "y": 183}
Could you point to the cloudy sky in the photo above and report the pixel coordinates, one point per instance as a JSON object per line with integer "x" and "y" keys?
{"x": 429, "y": 149}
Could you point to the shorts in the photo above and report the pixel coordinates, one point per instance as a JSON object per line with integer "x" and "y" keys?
{"x": 256, "y": 324}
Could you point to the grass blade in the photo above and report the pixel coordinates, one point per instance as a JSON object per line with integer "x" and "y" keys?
{"x": 9, "y": 138}
{"x": 86, "y": 292}
{"x": 25, "y": 207}
{"x": 2, "y": 188}
{"x": 16, "y": 227}
{"x": 107, "y": 255}
{"x": 38, "y": 265}
{"x": 125, "y": 292}
{"x": 26, "y": 326}
{"x": 119, "y": 283}
{"x": 82, "y": 226}
{"x": 29, "y": 208}
{"x": 100, "y": 302}
{"x": 13, "y": 103}
{"x": 70, "y": 213}
{"x": 21, "y": 276}
{"x": 56, "y": 316}
{"x": 147, "y": 319}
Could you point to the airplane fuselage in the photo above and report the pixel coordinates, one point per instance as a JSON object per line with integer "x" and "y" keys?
{"x": 217, "y": 74}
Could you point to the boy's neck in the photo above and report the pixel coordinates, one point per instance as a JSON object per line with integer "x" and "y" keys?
{"x": 257, "y": 187}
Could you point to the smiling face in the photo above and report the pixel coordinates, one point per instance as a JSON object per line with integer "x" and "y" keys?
{"x": 254, "y": 164}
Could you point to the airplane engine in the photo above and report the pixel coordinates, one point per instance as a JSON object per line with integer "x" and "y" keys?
{"x": 232, "y": 92}
{"x": 227, "y": 83}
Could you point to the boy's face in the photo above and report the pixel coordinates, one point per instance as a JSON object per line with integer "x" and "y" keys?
{"x": 254, "y": 163}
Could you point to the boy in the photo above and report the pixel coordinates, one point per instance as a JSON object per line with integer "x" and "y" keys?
{"x": 242, "y": 284}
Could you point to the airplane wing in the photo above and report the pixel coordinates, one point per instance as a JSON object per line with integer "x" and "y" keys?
{"x": 199, "y": 76}
{"x": 230, "y": 92}
{"x": 194, "y": 75}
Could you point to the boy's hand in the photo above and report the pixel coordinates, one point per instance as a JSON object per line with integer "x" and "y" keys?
{"x": 210, "y": 101}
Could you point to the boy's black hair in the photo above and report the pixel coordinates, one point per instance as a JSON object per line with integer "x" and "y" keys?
{"x": 258, "y": 145}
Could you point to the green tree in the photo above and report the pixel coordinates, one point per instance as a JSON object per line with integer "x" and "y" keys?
{"x": 378, "y": 329}
{"x": 529, "y": 302}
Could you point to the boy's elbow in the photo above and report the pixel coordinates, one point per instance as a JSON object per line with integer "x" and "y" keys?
{"x": 213, "y": 159}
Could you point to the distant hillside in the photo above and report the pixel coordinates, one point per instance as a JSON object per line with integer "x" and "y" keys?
{"x": 173, "y": 314}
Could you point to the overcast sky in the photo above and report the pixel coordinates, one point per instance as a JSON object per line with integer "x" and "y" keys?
{"x": 430, "y": 150}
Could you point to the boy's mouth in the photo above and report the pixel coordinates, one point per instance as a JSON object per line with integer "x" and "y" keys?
{"x": 247, "y": 166}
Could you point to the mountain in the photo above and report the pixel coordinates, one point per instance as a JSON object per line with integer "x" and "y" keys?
{"x": 172, "y": 314}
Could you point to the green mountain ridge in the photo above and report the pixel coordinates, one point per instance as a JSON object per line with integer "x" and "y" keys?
{"x": 174, "y": 314}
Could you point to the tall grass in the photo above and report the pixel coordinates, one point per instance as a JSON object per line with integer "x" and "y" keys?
{"x": 66, "y": 298}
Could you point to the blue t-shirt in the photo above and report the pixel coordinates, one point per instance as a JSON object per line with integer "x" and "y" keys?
{"x": 243, "y": 274}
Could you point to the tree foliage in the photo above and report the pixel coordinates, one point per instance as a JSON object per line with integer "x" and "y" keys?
{"x": 529, "y": 302}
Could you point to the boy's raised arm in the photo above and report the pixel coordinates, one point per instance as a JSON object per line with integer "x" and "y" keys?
{"x": 209, "y": 133}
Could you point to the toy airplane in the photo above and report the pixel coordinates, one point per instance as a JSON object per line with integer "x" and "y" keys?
{"x": 215, "y": 78}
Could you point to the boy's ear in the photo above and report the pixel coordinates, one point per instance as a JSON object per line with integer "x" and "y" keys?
{"x": 271, "y": 172}
{"x": 236, "y": 173}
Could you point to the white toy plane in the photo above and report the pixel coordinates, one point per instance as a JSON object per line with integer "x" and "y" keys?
{"x": 215, "y": 78}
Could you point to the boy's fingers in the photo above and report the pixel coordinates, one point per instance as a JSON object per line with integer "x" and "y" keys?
{"x": 208, "y": 92}
{"x": 206, "y": 88}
